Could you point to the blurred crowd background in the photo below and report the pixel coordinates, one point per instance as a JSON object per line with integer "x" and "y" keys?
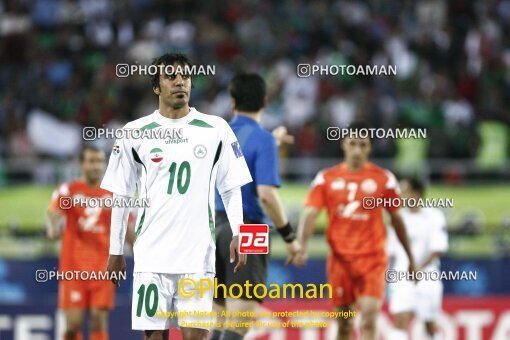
{"x": 452, "y": 59}
{"x": 58, "y": 74}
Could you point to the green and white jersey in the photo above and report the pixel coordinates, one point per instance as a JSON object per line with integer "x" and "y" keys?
{"x": 178, "y": 173}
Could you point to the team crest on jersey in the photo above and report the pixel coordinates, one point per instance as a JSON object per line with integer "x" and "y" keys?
{"x": 116, "y": 149}
{"x": 338, "y": 184}
{"x": 369, "y": 186}
{"x": 156, "y": 155}
{"x": 200, "y": 151}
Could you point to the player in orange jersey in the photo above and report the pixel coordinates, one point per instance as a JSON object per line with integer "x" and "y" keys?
{"x": 85, "y": 248}
{"x": 357, "y": 261}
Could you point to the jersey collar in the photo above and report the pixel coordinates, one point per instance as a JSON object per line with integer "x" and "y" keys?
{"x": 343, "y": 166}
{"x": 169, "y": 121}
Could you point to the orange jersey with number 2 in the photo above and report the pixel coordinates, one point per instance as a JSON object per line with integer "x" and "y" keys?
{"x": 353, "y": 230}
{"x": 86, "y": 235}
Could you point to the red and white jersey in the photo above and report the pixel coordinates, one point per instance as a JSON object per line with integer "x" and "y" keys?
{"x": 352, "y": 229}
{"x": 86, "y": 235}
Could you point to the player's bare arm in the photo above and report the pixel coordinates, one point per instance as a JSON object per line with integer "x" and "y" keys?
{"x": 241, "y": 258}
{"x": 273, "y": 207}
{"x": 306, "y": 229}
{"x": 54, "y": 222}
{"x": 116, "y": 264}
{"x": 400, "y": 230}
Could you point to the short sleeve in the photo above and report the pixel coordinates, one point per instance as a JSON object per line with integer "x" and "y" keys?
{"x": 120, "y": 177}
{"x": 317, "y": 195}
{"x": 438, "y": 240}
{"x": 391, "y": 189}
{"x": 267, "y": 166}
{"x": 61, "y": 192}
{"x": 233, "y": 171}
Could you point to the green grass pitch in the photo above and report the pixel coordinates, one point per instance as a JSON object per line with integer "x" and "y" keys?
{"x": 25, "y": 206}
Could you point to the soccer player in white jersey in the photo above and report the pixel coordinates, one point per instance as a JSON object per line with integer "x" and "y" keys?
{"x": 426, "y": 229}
{"x": 175, "y": 234}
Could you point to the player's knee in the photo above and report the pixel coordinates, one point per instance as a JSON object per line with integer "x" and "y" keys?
{"x": 194, "y": 333}
{"x": 430, "y": 327}
{"x": 156, "y": 335}
{"x": 98, "y": 320}
{"x": 73, "y": 327}
{"x": 369, "y": 319}
{"x": 400, "y": 323}
{"x": 345, "y": 326}
{"x": 73, "y": 334}
{"x": 243, "y": 313}
{"x": 98, "y": 323}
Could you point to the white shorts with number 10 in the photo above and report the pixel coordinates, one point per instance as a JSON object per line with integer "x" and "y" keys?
{"x": 157, "y": 304}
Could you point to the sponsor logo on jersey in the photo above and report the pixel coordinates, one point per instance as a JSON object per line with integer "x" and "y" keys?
{"x": 156, "y": 155}
{"x": 116, "y": 149}
{"x": 237, "y": 149}
{"x": 200, "y": 151}
{"x": 176, "y": 141}
{"x": 173, "y": 136}
{"x": 369, "y": 186}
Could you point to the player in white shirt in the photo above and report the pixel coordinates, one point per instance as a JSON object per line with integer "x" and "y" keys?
{"x": 426, "y": 229}
{"x": 178, "y": 174}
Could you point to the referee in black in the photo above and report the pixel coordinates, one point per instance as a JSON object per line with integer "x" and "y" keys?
{"x": 261, "y": 202}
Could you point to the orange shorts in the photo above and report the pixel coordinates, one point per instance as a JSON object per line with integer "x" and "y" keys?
{"x": 86, "y": 294}
{"x": 352, "y": 277}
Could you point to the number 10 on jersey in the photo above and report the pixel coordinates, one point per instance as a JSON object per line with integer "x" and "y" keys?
{"x": 183, "y": 177}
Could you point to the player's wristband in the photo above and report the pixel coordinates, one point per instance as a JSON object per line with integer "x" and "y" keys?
{"x": 287, "y": 232}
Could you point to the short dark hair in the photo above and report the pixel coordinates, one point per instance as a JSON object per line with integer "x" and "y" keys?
{"x": 357, "y": 125}
{"x": 416, "y": 185}
{"x": 168, "y": 59}
{"x": 248, "y": 91}
{"x": 88, "y": 147}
